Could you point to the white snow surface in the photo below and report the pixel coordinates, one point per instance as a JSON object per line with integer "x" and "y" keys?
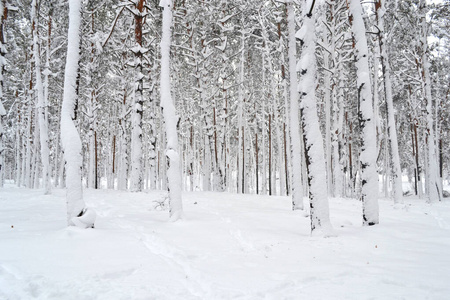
{"x": 227, "y": 247}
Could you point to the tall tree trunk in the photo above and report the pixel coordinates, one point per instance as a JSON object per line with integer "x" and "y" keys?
{"x": 47, "y": 73}
{"x": 314, "y": 153}
{"x": 297, "y": 187}
{"x": 270, "y": 154}
{"x": 434, "y": 189}
{"x": 256, "y": 163}
{"x": 170, "y": 117}
{"x": 77, "y": 213}
{"x": 136, "y": 178}
{"x": 123, "y": 142}
{"x": 338, "y": 144}
{"x": 281, "y": 165}
{"x": 392, "y": 130}
{"x": 206, "y": 163}
{"x": 3, "y": 12}
{"x": 18, "y": 153}
{"x": 29, "y": 138}
{"x": 327, "y": 100}
{"x": 41, "y": 105}
{"x": 369, "y": 176}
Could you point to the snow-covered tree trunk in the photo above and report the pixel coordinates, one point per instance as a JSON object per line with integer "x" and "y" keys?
{"x": 327, "y": 100}
{"x": 136, "y": 173}
{"x": 56, "y": 141}
{"x": 77, "y": 213}
{"x": 122, "y": 171}
{"x": 18, "y": 151}
{"x": 47, "y": 70}
{"x": 46, "y": 73}
{"x": 2, "y": 115}
{"x": 339, "y": 174}
{"x": 433, "y": 186}
{"x": 112, "y": 155}
{"x": 286, "y": 136}
{"x": 392, "y": 129}
{"x": 91, "y": 167}
{"x": 92, "y": 105}
{"x": 264, "y": 151}
{"x": 27, "y": 162}
{"x": 369, "y": 176}
{"x": 315, "y": 156}
{"x": 241, "y": 157}
{"x": 281, "y": 165}
{"x": 270, "y": 156}
{"x": 294, "y": 121}
{"x": 263, "y": 168}
{"x": 170, "y": 117}
{"x": 3, "y": 12}
{"x": 206, "y": 163}
{"x": 40, "y": 104}
{"x": 35, "y": 170}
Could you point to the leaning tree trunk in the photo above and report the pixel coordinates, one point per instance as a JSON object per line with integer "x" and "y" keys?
{"x": 369, "y": 176}
{"x": 77, "y": 213}
{"x": 314, "y": 154}
{"x": 170, "y": 117}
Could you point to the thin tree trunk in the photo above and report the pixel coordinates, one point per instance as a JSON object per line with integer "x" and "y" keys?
{"x": 18, "y": 179}
{"x": 270, "y": 153}
{"x": 95, "y": 161}
{"x": 256, "y": 163}
{"x": 243, "y": 160}
{"x": 29, "y": 144}
{"x": 286, "y": 163}
{"x": 327, "y": 96}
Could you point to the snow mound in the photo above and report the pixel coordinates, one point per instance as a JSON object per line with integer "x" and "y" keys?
{"x": 86, "y": 220}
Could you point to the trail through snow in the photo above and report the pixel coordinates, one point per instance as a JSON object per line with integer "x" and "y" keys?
{"x": 227, "y": 247}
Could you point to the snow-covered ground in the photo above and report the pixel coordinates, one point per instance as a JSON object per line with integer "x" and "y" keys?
{"x": 227, "y": 247}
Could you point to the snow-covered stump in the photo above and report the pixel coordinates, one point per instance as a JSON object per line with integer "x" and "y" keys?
{"x": 77, "y": 214}
{"x": 170, "y": 117}
{"x": 369, "y": 176}
{"x": 314, "y": 150}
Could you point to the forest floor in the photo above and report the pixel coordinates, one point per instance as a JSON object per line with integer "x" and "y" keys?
{"x": 227, "y": 246}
